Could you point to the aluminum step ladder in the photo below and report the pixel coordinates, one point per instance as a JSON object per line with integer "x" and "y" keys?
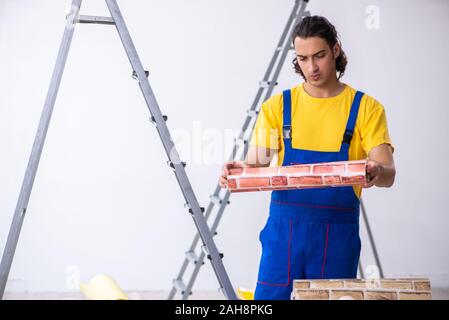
{"x": 157, "y": 118}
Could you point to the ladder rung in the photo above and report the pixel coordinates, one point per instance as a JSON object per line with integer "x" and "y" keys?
{"x": 217, "y": 200}
{"x": 192, "y": 257}
{"x": 94, "y": 19}
{"x": 265, "y": 84}
{"x": 206, "y": 252}
{"x": 252, "y": 113}
{"x": 179, "y": 285}
{"x": 241, "y": 141}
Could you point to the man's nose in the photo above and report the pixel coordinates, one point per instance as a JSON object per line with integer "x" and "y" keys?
{"x": 312, "y": 67}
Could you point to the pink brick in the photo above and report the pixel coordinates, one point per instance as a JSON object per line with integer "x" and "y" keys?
{"x": 279, "y": 181}
{"x": 261, "y": 170}
{"x": 332, "y": 174}
{"x": 254, "y": 182}
{"x": 235, "y": 171}
{"x": 356, "y": 167}
{"x": 305, "y": 180}
{"x": 232, "y": 183}
{"x": 245, "y": 190}
{"x": 332, "y": 180}
{"x": 353, "y": 179}
{"x": 295, "y": 169}
{"x": 328, "y": 168}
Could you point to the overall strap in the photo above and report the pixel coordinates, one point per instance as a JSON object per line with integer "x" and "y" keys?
{"x": 349, "y": 131}
{"x": 287, "y": 128}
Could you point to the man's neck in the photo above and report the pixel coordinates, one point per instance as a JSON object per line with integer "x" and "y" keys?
{"x": 328, "y": 90}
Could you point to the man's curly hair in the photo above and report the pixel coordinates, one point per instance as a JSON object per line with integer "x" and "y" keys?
{"x": 318, "y": 26}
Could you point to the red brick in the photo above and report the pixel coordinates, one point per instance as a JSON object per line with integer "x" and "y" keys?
{"x": 329, "y": 168}
{"x": 295, "y": 169}
{"x": 254, "y": 182}
{"x": 245, "y": 190}
{"x": 261, "y": 170}
{"x": 235, "y": 171}
{"x": 306, "y": 180}
{"x": 279, "y": 181}
{"x": 332, "y": 180}
{"x": 357, "y": 167}
{"x": 353, "y": 180}
{"x": 232, "y": 184}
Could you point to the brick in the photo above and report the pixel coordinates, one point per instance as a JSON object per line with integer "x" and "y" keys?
{"x": 301, "y": 294}
{"x": 245, "y": 179}
{"x": 279, "y": 181}
{"x": 328, "y": 168}
{"x": 254, "y": 182}
{"x": 380, "y": 295}
{"x": 415, "y": 296}
{"x": 325, "y": 284}
{"x": 245, "y": 190}
{"x": 232, "y": 183}
{"x": 332, "y": 180}
{"x": 357, "y": 167}
{"x": 353, "y": 179}
{"x": 261, "y": 170}
{"x": 347, "y": 295}
{"x": 235, "y": 171}
{"x": 362, "y": 284}
{"x": 295, "y": 169}
{"x": 305, "y": 180}
{"x": 301, "y": 284}
{"x": 394, "y": 284}
{"x": 421, "y": 285}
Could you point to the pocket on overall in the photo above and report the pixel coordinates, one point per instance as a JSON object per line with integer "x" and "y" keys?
{"x": 275, "y": 238}
{"x": 343, "y": 251}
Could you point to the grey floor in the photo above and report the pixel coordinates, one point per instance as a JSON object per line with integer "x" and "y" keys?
{"x": 437, "y": 294}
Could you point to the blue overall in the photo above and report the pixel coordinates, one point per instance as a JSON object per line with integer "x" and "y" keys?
{"x": 310, "y": 233}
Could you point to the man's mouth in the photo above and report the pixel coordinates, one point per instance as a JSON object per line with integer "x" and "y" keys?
{"x": 315, "y": 77}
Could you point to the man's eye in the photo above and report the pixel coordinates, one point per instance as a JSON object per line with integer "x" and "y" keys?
{"x": 320, "y": 56}
{"x": 301, "y": 59}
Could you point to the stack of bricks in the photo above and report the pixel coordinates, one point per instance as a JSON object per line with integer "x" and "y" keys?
{"x": 319, "y": 175}
{"x": 361, "y": 289}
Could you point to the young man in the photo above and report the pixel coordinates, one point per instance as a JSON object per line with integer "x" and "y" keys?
{"x": 314, "y": 233}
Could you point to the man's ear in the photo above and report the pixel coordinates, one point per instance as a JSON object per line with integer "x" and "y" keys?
{"x": 336, "y": 50}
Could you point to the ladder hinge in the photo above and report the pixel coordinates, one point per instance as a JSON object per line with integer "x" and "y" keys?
{"x": 170, "y": 163}
{"x": 135, "y": 76}
{"x": 152, "y": 119}
{"x": 201, "y": 208}
{"x": 265, "y": 84}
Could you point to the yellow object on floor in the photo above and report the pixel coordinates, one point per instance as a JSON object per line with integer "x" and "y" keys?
{"x": 245, "y": 294}
{"x": 102, "y": 287}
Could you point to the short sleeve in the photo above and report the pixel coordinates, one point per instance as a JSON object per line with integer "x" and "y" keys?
{"x": 374, "y": 130}
{"x": 266, "y": 130}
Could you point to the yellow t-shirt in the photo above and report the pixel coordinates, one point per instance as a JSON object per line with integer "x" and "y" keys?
{"x": 318, "y": 124}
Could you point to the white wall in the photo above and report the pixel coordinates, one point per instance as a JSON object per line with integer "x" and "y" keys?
{"x": 104, "y": 200}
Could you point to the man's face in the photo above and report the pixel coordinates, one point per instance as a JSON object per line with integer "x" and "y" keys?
{"x": 316, "y": 59}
